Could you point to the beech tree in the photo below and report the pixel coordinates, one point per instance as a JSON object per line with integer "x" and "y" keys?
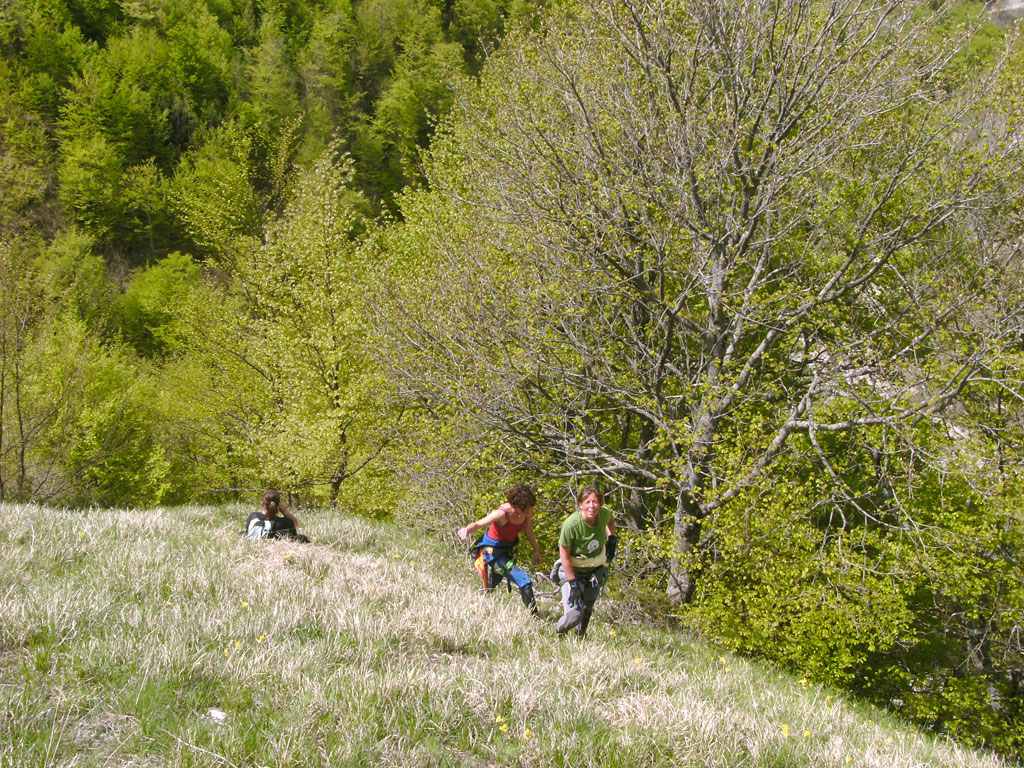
{"x": 668, "y": 244}
{"x": 287, "y": 390}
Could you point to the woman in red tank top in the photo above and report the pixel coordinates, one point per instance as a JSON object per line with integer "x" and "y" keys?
{"x": 508, "y": 520}
{"x": 495, "y": 561}
{"x": 509, "y": 531}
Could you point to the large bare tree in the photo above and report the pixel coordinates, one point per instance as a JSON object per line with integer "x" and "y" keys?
{"x": 669, "y": 242}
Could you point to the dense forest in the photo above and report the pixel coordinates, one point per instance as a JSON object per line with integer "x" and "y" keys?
{"x": 755, "y": 268}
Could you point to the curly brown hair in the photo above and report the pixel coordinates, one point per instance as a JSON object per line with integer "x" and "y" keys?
{"x": 521, "y": 496}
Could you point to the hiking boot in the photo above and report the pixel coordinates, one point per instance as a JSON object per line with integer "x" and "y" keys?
{"x": 581, "y": 630}
{"x": 571, "y": 618}
{"x": 528, "y": 599}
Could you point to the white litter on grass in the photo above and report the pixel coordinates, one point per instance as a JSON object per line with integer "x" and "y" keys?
{"x": 217, "y": 715}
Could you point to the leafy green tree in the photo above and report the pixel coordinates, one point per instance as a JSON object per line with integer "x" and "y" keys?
{"x": 229, "y": 190}
{"x": 667, "y": 294}
{"x": 73, "y": 277}
{"x": 93, "y": 436}
{"x": 307, "y": 290}
{"x": 91, "y": 186}
{"x": 270, "y": 91}
{"x": 418, "y": 92}
{"x": 76, "y": 418}
{"x": 45, "y": 48}
{"x": 293, "y": 400}
{"x": 327, "y": 71}
{"x": 23, "y": 307}
{"x": 747, "y": 265}
{"x": 478, "y": 25}
{"x": 98, "y": 19}
{"x": 146, "y": 315}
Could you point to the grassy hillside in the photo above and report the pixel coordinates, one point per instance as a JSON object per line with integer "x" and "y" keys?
{"x": 163, "y": 638}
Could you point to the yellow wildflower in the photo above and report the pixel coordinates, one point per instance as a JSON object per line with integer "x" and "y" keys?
{"x": 807, "y": 734}
{"x": 785, "y": 729}
{"x": 504, "y": 727}
{"x": 527, "y": 733}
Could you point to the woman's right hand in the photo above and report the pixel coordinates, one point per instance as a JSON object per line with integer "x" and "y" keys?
{"x": 463, "y": 532}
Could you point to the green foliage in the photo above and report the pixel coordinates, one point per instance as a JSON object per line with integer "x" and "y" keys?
{"x": 143, "y": 138}
{"x": 105, "y": 99}
{"x": 293, "y": 400}
{"x": 76, "y": 279}
{"x": 146, "y": 315}
{"x": 98, "y": 19}
{"x": 90, "y": 186}
{"x": 799, "y": 588}
{"x": 125, "y": 94}
{"x": 417, "y": 93}
{"x": 226, "y": 191}
{"x": 46, "y": 49}
{"x": 928, "y": 629}
{"x": 271, "y": 85}
{"x": 90, "y": 415}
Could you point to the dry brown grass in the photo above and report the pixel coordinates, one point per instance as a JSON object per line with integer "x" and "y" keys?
{"x": 121, "y": 629}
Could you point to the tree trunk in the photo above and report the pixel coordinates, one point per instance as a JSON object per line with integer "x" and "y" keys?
{"x": 336, "y": 481}
{"x": 342, "y": 471}
{"x": 686, "y": 534}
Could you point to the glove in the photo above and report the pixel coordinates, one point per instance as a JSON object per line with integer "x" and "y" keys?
{"x": 554, "y": 575}
{"x": 575, "y": 594}
{"x": 610, "y": 546}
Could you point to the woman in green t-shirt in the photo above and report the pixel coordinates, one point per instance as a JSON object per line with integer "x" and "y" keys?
{"x": 586, "y": 545}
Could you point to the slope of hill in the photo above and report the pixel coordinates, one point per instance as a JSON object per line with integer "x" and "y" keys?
{"x": 163, "y": 638}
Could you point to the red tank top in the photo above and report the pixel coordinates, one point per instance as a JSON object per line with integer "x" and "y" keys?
{"x": 508, "y": 532}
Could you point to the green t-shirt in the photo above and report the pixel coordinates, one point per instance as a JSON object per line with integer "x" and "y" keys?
{"x": 585, "y": 542}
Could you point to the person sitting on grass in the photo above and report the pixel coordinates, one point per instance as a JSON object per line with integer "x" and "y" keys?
{"x": 495, "y": 550}
{"x": 586, "y": 545}
{"x": 273, "y": 520}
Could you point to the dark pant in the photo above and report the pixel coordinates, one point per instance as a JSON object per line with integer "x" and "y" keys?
{"x": 283, "y": 528}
